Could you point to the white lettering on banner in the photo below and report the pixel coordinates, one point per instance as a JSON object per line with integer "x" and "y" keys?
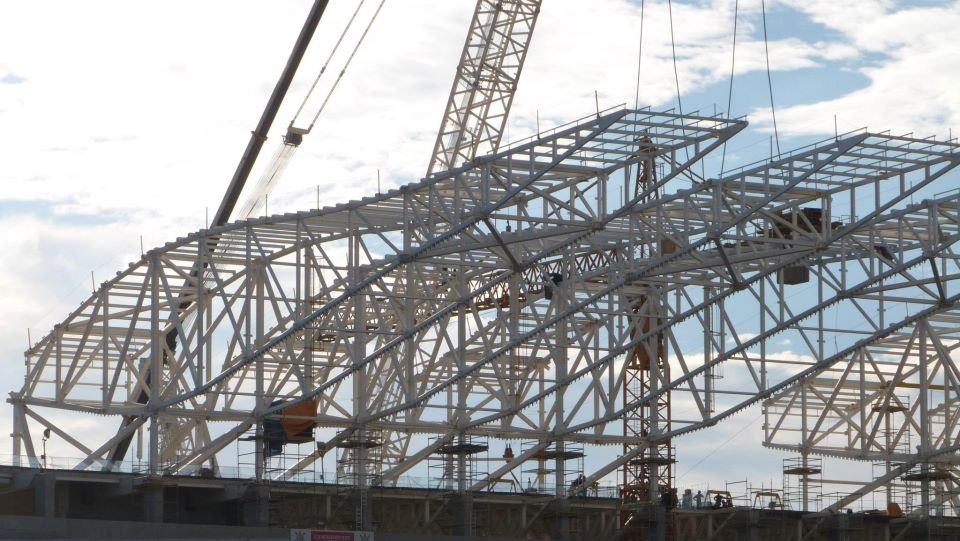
{"x": 329, "y": 535}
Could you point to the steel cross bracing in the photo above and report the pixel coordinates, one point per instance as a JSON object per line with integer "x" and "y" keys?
{"x": 541, "y": 187}
{"x": 894, "y": 401}
{"x": 425, "y": 303}
{"x": 754, "y": 368}
{"x": 485, "y": 82}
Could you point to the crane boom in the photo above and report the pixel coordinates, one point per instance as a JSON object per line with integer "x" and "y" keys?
{"x": 229, "y": 201}
{"x": 486, "y": 81}
{"x": 259, "y": 135}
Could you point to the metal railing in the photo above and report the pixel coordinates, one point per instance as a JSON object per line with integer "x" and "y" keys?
{"x": 232, "y": 472}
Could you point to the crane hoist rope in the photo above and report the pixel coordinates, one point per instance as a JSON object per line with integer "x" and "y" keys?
{"x": 349, "y": 60}
{"x": 149, "y": 387}
{"x": 274, "y": 170}
{"x": 733, "y": 65}
{"x": 257, "y": 199}
{"x": 323, "y": 69}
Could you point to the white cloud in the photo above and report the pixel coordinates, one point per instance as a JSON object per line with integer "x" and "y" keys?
{"x": 912, "y": 86}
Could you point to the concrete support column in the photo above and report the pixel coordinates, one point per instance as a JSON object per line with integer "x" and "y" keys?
{"x": 362, "y": 504}
{"x": 44, "y": 494}
{"x": 753, "y": 525}
{"x": 17, "y": 430}
{"x": 463, "y": 515}
{"x": 657, "y": 523}
{"x": 560, "y": 525}
{"x": 843, "y": 528}
{"x": 152, "y": 502}
{"x": 256, "y": 507}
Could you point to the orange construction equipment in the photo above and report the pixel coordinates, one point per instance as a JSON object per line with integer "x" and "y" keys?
{"x": 299, "y": 421}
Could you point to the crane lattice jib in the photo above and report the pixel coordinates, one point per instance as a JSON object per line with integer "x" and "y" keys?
{"x": 486, "y": 81}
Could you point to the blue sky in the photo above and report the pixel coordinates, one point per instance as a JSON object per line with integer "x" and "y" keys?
{"x": 121, "y": 122}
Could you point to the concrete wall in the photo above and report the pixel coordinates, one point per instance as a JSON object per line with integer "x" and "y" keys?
{"x": 18, "y": 527}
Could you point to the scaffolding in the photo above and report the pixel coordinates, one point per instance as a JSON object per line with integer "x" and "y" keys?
{"x": 359, "y": 467}
{"x": 456, "y": 466}
{"x": 803, "y": 483}
{"x": 294, "y": 464}
{"x": 557, "y": 468}
{"x": 650, "y": 474}
{"x": 937, "y": 482}
{"x": 893, "y": 497}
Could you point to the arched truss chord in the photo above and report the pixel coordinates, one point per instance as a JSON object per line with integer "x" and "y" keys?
{"x": 861, "y": 245}
{"x": 266, "y": 274}
{"x": 855, "y": 298}
{"x": 850, "y": 292}
{"x": 877, "y": 337}
{"x": 497, "y": 300}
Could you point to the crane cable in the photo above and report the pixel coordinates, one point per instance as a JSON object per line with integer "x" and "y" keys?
{"x": 733, "y": 63}
{"x": 344, "y": 70}
{"x": 766, "y": 48}
{"x": 721, "y": 446}
{"x": 257, "y": 199}
{"x": 336, "y": 47}
{"x": 673, "y": 49}
{"x": 676, "y": 78}
{"x": 636, "y": 104}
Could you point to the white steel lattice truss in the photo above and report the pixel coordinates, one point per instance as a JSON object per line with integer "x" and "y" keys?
{"x": 486, "y": 80}
{"x": 496, "y": 300}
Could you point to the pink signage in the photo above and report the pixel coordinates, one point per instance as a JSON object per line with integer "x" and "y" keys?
{"x": 318, "y": 535}
{"x": 329, "y": 535}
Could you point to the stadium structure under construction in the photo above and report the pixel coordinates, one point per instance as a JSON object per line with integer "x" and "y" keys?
{"x": 514, "y": 346}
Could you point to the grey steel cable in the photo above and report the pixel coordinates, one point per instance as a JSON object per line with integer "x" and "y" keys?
{"x": 327, "y": 63}
{"x": 766, "y": 48}
{"x": 344, "y": 70}
{"x": 733, "y": 63}
{"x": 636, "y": 103}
